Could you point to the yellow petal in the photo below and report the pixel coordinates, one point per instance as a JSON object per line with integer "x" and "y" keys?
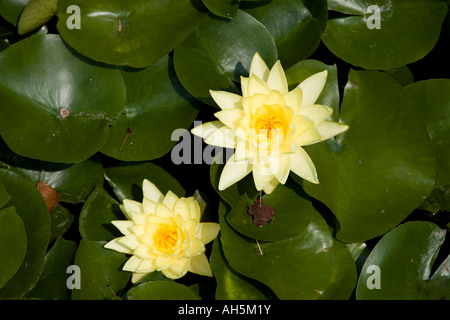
{"x": 226, "y": 100}
{"x": 133, "y": 206}
{"x": 192, "y": 227}
{"x": 294, "y": 99}
{"x": 138, "y": 218}
{"x": 170, "y": 199}
{"x": 312, "y": 87}
{"x": 142, "y": 252}
{"x": 208, "y": 231}
{"x": 302, "y": 124}
{"x": 258, "y": 67}
{"x": 206, "y": 129}
{"x": 251, "y": 104}
{"x": 163, "y": 211}
{"x": 277, "y": 78}
{"x": 131, "y": 241}
{"x": 132, "y": 264}
{"x": 194, "y": 209}
{"x": 262, "y": 176}
{"x": 123, "y": 226}
{"x": 138, "y": 276}
{"x": 316, "y": 112}
{"x": 149, "y": 206}
{"x": 233, "y": 172}
{"x": 151, "y": 192}
{"x": 181, "y": 208}
{"x": 311, "y": 136}
{"x": 146, "y": 266}
{"x": 196, "y": 247}
{"x": 274, "y": 98}
{"x": 168, "y": 273}
{"x": 117, "y": 246}
{"x": 268, "y": 189}
{"x": 244, "y": 86}
{"x": 180, "y": 267}
{"x": 200, "y": 265}
{"x": 302, "y": 165}
{"x": 223, "y": 137}
{"x": 164, "y": 262}
{"x": 256, "y": 85}
{"x": 281, "y": 170}
{"x": 230, "y": 117}
{"x": 329, "y": 129}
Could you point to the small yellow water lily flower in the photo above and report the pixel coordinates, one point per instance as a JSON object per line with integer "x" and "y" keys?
{"x": 268, "y": 126}
{"x": 163, "y": 233}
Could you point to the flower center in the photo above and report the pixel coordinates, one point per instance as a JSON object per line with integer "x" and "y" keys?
{"x": 270, "y": 121}
{"x": 165, "y": 237}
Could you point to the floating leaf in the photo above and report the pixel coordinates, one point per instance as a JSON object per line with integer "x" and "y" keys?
{"x": 223, "y": 8}
{"x": 156, "y": 106}
{"x": 219, "y": 52}
{"x": 36, "y": 222}
{"x": 382, "y": 168}
{"x": 101, "y": 272}
{"x": 403, "y": 260}
{"x": 13, "y": 244}
{"x": 369, "y": 38}
{"x": 52, "y": 284}
{"x": 291, "y": 24}
{"x": 132, "y": 33}
{"x": 433, "y": 100}
{"x": 310, "y": 254}
{"x": 66, "y": 104}
{"x": 161, "y": 290}
{"x": 35, "y": 14}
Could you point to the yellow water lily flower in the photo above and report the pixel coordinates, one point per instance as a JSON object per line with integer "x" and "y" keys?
{"x": 268, "y": 126}
{"x": 163, "y": 233}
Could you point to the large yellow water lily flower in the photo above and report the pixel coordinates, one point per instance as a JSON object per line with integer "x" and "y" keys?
{"x": 268, "y": 125}
{"x": 163, "y": 233}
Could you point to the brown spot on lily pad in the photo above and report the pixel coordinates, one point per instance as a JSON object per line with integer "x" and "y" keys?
{"x": 50, "y": 195}
{"x": 261, "y": 213}
{"x": 64, "y": 113}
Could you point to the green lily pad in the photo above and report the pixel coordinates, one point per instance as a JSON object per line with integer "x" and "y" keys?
{"x": 156, "y": 105}
{"x": 344, "y": 277}
{"x": 36, "y": 222}
{"x": 35, "y": 14}
{"x": 4, "y": 196}
{"x": 132, "y": 33}
{"x": 401, "y": 262}
{"x": 161, "y": 290}
{"x": 382, "y": 168}
{"x": 310, "y": 254}
{"x": 361, "y": 41}
{"x": 96, "y": 215}
{"x": 52, "y": 284}
{"x": 73, "y": 181}
{"x": 101, "y": 275}
{"x": 13, "y": 244}
{"x": 330, "y": 92}
{"x": 223, "y": 8}
{"x": 433, "y": 100}
{"x": 292, "y": 206}
{"x": 66, "y": 104}
{"x": 10, "y": 10}
{"x": 402, "y": 75}
{"x": 219, "y": 52}
{"x": 230, "y": 284}
{"x": 126, "y": 180}
{"x": 61, "y": 220}
{"x": 291, "y": 25}
{"x": 437, "y": 200}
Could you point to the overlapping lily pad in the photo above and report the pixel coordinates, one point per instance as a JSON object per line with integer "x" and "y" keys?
{"x": 310, "y": 253}
{"x": 161, "y": 290}
{"x": 156, "y": 105}
{"x": 291, "y": 24}
{"x": 132, "y": 33}
{"x": 382, "y": 168}
{"x": 36, "y": 222}
{"x": 403, "y": 261}
{"x": 56, "y": 107}
{"x": 393, "y": 34}
{"x": 219, "y": 52}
